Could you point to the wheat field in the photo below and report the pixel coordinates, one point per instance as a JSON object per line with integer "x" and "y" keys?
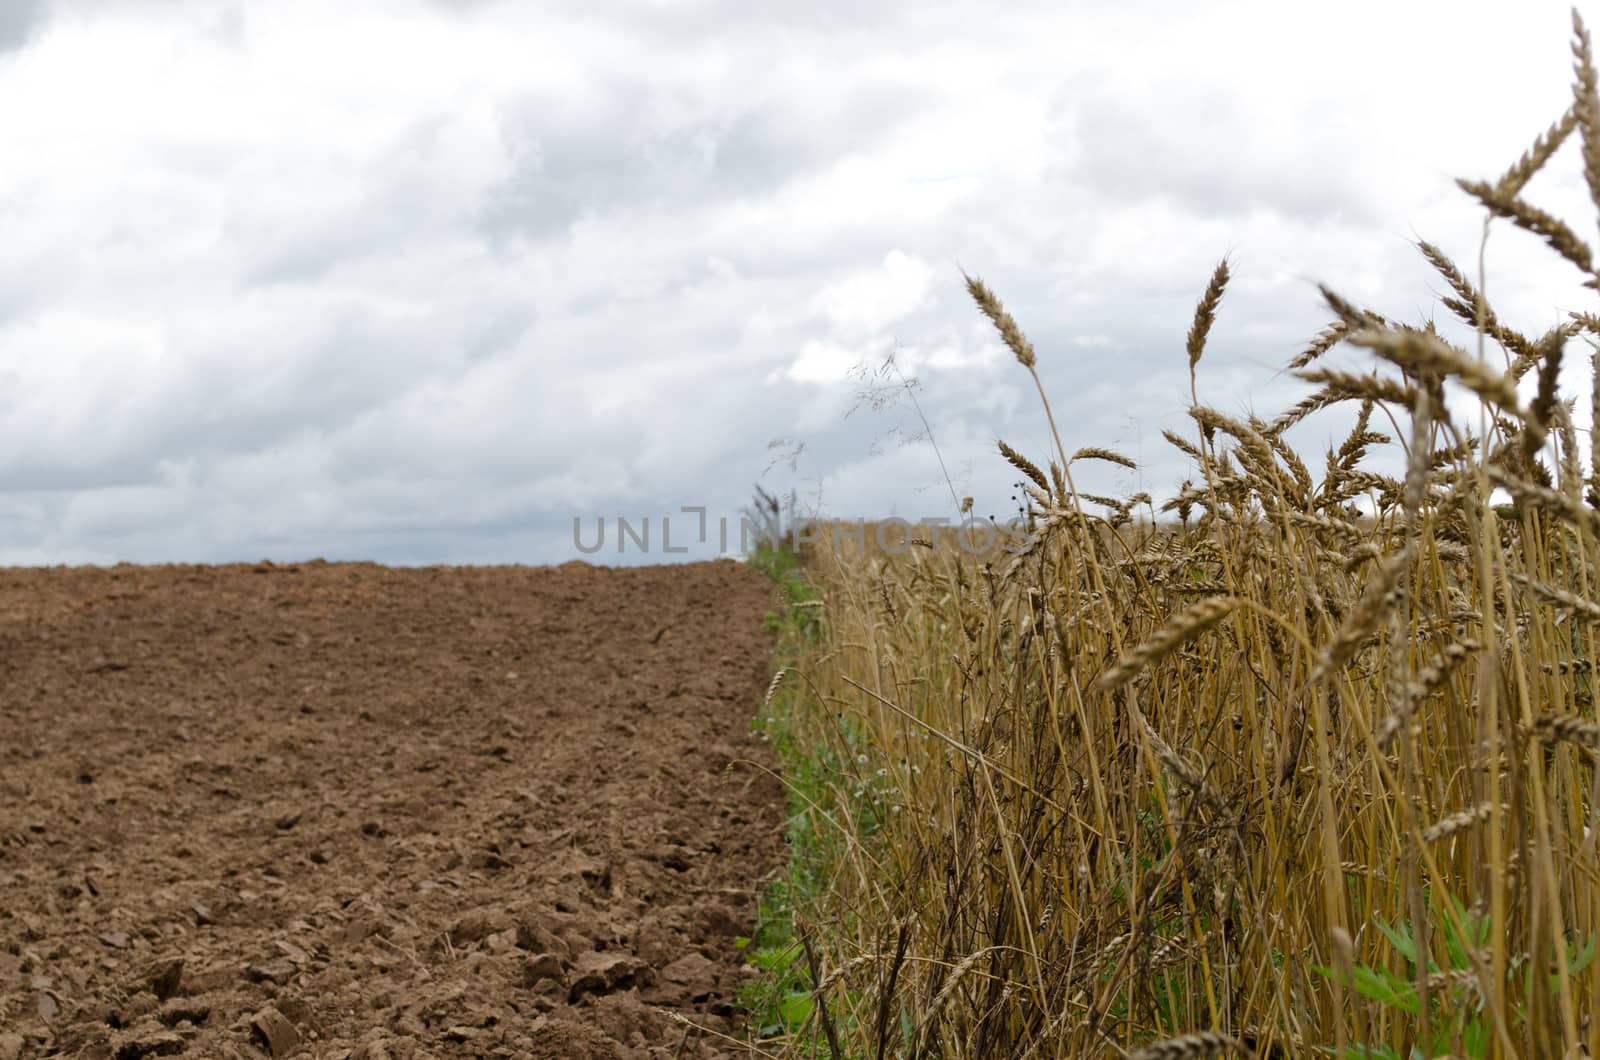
{"x": 1300, "y": 762}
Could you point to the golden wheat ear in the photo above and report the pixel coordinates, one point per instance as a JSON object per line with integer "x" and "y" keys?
{"x": 1554, "y": 231}
{"x": 1010, "y": 333}
{"x": 1205, "y": 314}
{"x": 1534, "y": 158}
{"x": 1110, "y": 456}
{"x": 1024, "y": 465}
{"x": 1586, "y": 104}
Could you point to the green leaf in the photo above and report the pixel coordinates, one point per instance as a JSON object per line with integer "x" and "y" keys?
{"x": 1386, "y": 988}
{"x": 1399, "y": 936}
{"x": 775, "y": 958}
{"x": 1378, "y": 985}
{"x": 796, "y": 1009}
{"x": 1577, "y": 962}
{"x": 1477, "y": 934}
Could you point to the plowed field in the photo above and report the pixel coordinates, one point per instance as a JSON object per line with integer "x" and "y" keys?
{"x": 341, "y": 810}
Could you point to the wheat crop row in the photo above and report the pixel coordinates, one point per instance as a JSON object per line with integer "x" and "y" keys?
{"x": 1300, "y": 762}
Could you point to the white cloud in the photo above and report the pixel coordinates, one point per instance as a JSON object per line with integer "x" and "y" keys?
{"x": 870, "y": 300}
{"x": 824, "y": 361}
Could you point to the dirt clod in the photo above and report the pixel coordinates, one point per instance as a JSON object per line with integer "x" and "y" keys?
{"x": 273, "y": 1030}
{"x": 600, "y": 973}
{"x": 163, "y": 977}
{"x": 693, "y": 974}
{"x": 537, "y": 969}
{"x": 276, "y": 971}
{"x": 146, "y": 1041}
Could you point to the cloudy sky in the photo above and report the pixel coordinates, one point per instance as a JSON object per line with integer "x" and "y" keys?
{"x": 423, "y": 281}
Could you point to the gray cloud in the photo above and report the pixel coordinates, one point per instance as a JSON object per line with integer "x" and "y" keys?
{"x": 1202, "y": 151}
{"x": 20, "y": 20}
{"x": 268, "y": 300}
{"x": 570, "y": 162}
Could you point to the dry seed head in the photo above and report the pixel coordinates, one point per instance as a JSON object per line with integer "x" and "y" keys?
{"x": 1326, "y": 339}
{"x": 1567, "y": 728}
{"x": 1248, "y": 436}
{"x": 1291, "y": 460}
{"x": 1564, "y": 598}
{"x": 1040, "y": 497}
{"x": 1059, "y": 479}
{"x": 1024, "y": 465}
{"x": 1416, "y": 483}
{"x": 1183, "y": 503}
{"x": 957, "y": 973}
{"x": 1188, "y": 775}
{"x": 1365, "y": 481}
{"x": 1459, "y": 821}
{"x": 1202, "y": 588}
{"x": 1594, "y": 418}
{"x": 1534, "y": 158}
{"x": 1205, "y": 314}
{"x": 1529, "y": 217}
{"x": 846, "y": 968}
{"x": 1433, "y": 676}
{"x": 1536, "y": 354}
{"x": 1183, "y": 444}
{"x": 1455, "y": 978}
{"x": 1586, "y": 104}
{"x": 1355, "y": 556}
{"x": 1534, "y": 495}
{"x": 1350, "y": 315}
{"x": 1422, "y": 353}
{"x": 1168, "y": 952}
{"x": 1567, "y": 436}
{"x": 1349, "y": 531}
{"x": 1452, "y": 454}
{"x": 1367, "y": 616}
{"x": 1513, "y": 340}
{"x": 1315, "y": 403}
{"x": 1179, "y": 630}
{"x": 1453, "y": 276}
{"x": 1191, "y": 1047}
{"x": 772, "y": 688}
{"x": 1355, "y": 445}
{"x": 1094, "y": 452}
{"x": 1003, "y": 322}
{"x": 1109, "y": 502}
{"x": 1345, "y": 385}
{"x": 1355, "y": 868}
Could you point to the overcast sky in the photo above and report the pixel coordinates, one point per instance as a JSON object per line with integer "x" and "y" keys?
{"x": 421, "y": 282}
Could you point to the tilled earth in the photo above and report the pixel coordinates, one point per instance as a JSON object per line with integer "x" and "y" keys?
{"x": 341, "y": 810}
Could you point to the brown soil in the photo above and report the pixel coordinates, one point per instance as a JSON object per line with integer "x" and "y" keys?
{"x": 340, "y": 810}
